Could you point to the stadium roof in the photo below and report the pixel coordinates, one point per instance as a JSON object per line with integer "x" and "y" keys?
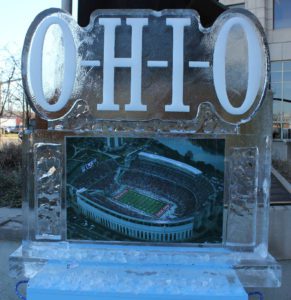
{"x": 169, "y": 161}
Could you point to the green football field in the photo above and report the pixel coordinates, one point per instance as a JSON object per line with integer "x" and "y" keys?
{"x": 141, "y": 202}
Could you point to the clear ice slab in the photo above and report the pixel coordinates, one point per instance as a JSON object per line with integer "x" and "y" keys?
{"x": 103, "y": 281}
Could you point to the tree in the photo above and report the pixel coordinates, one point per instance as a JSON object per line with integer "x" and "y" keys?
{"x": 12, "y": 97}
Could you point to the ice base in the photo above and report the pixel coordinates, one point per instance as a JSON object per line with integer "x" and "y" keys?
{"x": 111, "y": 281}
{"x": 254, "y": 269}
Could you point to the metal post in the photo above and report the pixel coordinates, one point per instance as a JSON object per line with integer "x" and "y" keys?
{"x": 67, "y": 5}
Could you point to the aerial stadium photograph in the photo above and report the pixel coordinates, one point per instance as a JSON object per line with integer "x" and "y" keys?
{"x": 158, "y": 190}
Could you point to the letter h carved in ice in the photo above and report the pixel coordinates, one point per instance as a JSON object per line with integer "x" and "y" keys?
{"x": 135, "y": 63}
{"x": 111, "y": 62}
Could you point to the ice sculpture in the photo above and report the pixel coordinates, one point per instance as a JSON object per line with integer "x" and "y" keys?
{"x": 158, "y": 144}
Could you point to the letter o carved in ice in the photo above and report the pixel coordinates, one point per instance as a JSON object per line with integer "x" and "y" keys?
{"x": 36, "y": 64}
{"x": 254, "y": 65}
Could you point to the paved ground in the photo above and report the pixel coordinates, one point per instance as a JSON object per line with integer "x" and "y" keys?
{"x": 7, "y": 284}
{"x": 10, "y": 224}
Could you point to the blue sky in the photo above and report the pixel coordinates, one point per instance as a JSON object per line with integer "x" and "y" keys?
{"x": 15, "y": 18}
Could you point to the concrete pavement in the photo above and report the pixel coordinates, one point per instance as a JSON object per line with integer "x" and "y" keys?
{"x": 10, "y": 240}
{"x": 10, "y": 224}
{"x": 7, "y": 284}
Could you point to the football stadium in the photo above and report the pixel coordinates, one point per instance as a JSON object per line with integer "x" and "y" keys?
{"x": 144, "y": 196}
